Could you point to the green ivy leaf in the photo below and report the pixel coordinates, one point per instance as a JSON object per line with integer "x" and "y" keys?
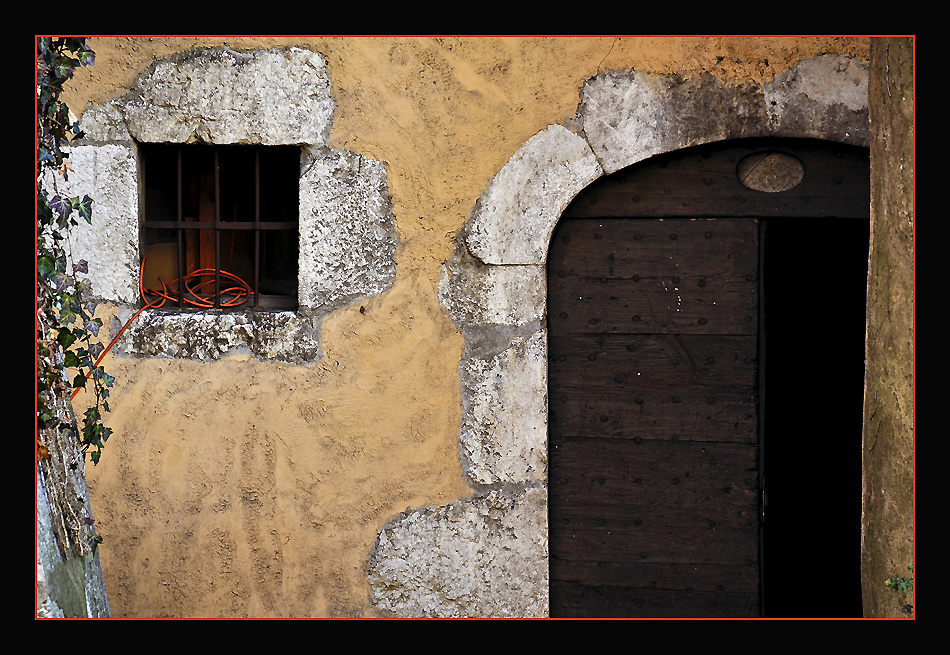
{"x": 60, "y": 205}
{"x": 83, "y": 207}
{"x": 72, "y": 360}
{"x": 65, "y": 337}
{"x": 43, "y": 45}
{"x": 67, "y": 316}
{"x": 46, "y": 266}
{"x": 42, "y": 205}
{"x": 43, "y": 154}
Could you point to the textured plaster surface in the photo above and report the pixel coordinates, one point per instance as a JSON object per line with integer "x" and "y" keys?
{"x": 245, "y": 486}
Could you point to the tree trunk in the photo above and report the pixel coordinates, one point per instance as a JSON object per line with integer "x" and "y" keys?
{"x": 887, "y": 548}
{"x": 69, "y": 580}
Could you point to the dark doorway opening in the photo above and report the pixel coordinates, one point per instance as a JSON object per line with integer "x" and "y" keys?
{"x": 814, "y": 300}
{"x": 812, "y": 240}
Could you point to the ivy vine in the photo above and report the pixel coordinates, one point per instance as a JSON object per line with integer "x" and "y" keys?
{"x": 66, "y": 328}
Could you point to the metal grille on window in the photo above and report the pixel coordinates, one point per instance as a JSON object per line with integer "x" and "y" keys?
{"x": 220, "y": 226}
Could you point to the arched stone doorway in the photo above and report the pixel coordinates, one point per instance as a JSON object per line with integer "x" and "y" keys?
{"x": 706, "y": 354}
{"x": 488, "y": 555}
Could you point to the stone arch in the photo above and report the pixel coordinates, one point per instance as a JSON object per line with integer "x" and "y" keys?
{"x": 487, "y": 555}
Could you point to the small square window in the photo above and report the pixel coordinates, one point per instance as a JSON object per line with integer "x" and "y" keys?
{"x": 224, "y": 220}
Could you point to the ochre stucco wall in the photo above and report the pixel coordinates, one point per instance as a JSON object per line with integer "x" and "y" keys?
{"x": 247, "y": 488}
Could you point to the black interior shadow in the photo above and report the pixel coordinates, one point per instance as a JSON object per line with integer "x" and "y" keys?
{"x": 815, "y": 277}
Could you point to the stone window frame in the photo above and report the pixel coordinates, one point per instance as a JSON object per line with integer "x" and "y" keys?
{"x": 283, "y": 96}
{"x": 487, "y": 555}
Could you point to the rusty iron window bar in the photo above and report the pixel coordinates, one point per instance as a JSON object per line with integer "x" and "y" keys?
{"x": 223, "y": 219}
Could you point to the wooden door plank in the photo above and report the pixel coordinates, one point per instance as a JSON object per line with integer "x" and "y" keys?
{"x": 657, "y": 501}
{"x": 653, "y": 386}
{"x": 652, "y": 305}
{"x": 577, "y": 600}
{"x": 682, "y": 276}
{"x": 659, "y": 575}
{"x": 625, "y": 248}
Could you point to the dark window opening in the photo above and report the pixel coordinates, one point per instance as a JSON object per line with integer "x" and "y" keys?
{"x": 222, "y": 219}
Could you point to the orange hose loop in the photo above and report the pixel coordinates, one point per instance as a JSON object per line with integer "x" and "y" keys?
{"x": 235, "y": 295}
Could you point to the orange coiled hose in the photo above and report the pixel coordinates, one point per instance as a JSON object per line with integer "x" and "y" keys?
{"x": 238, "y": 294}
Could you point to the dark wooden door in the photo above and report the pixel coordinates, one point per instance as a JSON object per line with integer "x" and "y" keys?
{"x": 656, "y": 345}
{"x": 653, "y": 408}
